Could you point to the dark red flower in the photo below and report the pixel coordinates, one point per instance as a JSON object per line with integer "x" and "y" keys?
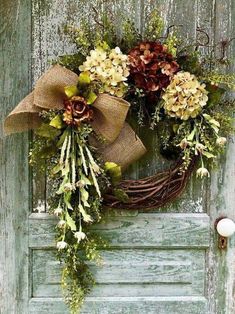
{"x": 151, "y": 66}
{"x": 77, "y": 111}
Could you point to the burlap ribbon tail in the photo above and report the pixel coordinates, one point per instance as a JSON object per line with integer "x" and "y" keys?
{"x": 122, "y": 145}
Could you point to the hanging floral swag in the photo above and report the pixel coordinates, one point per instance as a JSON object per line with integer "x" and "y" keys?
{"x": 79, "y": 109}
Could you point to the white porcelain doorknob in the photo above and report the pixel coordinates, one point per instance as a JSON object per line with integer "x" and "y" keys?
{"x": 226, "y": 227}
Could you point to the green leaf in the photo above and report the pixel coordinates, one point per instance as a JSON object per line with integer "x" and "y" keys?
{"x": 215, "y": 128}
{"x": 95, "y": 167}
{"x": 62, "y": 138}
{"x": 61, "y": 188}
{"x": 84, "y": 180}
{"x": 56, "y": 169}
{"x": 114, "y": 171}
{"x": 65, "y": 170}
{"x": 84, "y": 79}
{"x": 67, "y": 198}
{"x": 71, "y": 223}
{"x": 211, "y": 120}
{"x": 91, "y": 97}
{"x": 84, "y": 195}
{"x": 191, "y": 135}
{"x": 175, "y": 128}
{"x": 83, "y": 160}
{"x": 215, "y": 122}
{"x": 71, "y": 91}
{"x": 95, "y": 182}
{"x": 57, "y": 122}
{"x": 121, "y": 195}
{"x": 215, "y": 125}
{"x": 46, "y": 130}
{"x": 206, "y": 116}
{"x": 207, "y": 154}
{"x": 86, "y": 217}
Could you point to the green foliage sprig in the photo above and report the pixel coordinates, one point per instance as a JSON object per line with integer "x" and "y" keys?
{"x": 154, "y": 27}
{"x": 76, "y": 175}
{"x": 227, "y": 80}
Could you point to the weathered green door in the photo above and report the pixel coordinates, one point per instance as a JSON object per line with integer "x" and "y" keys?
{"x": 163, "y": 262}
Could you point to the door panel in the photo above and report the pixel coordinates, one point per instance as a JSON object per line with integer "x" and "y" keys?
{"x": 155, "y": 262}
{"x": 127, "y": 305}
{"x": 160, "y": 272}
{"x": 143, "y": 230}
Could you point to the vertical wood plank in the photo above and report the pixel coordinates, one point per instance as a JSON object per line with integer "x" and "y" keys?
{"x": 132, "y": 9}
{"x": 15, "y": 48}
{"x": 221, "y": 268}
{"x": 182, "y": 14}
{"x": 206, "y": 17}
{"x": 48, "y": 43}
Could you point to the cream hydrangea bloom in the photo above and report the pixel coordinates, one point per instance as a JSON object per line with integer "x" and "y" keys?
{"x": 110, "y": 68}
{"x": 185, "y": 96}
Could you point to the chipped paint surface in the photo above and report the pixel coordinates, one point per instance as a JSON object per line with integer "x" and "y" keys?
{"x": 212, "y": 290}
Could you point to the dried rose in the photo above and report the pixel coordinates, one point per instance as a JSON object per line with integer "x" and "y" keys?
{"x": 77, "y": 111}
{"x": 151, "y": 66}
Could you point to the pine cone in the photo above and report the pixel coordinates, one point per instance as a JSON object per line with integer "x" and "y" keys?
{"x": 151, "y": 66}
{"x": 77, "y": 111}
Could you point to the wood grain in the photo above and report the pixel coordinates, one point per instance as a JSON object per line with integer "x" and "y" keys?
{"x": 15, "y": 49}
{"x": 221, "y": 264}
{"x": 144, "y": 230}
{"x": 129, "y": 272}
{"x": 125, "y": 305}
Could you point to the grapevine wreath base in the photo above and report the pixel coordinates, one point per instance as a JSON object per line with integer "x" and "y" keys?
{"x": 154, "y": 191}
{"x": 83, "y": 109}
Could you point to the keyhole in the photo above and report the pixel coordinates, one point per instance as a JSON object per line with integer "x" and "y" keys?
{"x": 222, "y": 242}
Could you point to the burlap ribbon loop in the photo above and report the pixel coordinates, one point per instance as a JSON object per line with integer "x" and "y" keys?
{"x": 122, "y": 144}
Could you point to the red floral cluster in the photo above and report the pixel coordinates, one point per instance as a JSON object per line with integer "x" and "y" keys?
{"x": 77, "y": 111}
{"x": 151, "y": 66}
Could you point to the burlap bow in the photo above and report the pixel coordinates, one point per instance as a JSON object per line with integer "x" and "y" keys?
{"x": 122, "y": 144}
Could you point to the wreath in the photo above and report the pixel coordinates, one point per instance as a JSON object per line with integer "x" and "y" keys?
{"x": 82, "y": 110}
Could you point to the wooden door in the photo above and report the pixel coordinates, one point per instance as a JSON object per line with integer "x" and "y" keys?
{"x": 165, "y": 261}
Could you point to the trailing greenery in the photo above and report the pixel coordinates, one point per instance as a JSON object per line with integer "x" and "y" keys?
{"x": 78, "y": 181}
